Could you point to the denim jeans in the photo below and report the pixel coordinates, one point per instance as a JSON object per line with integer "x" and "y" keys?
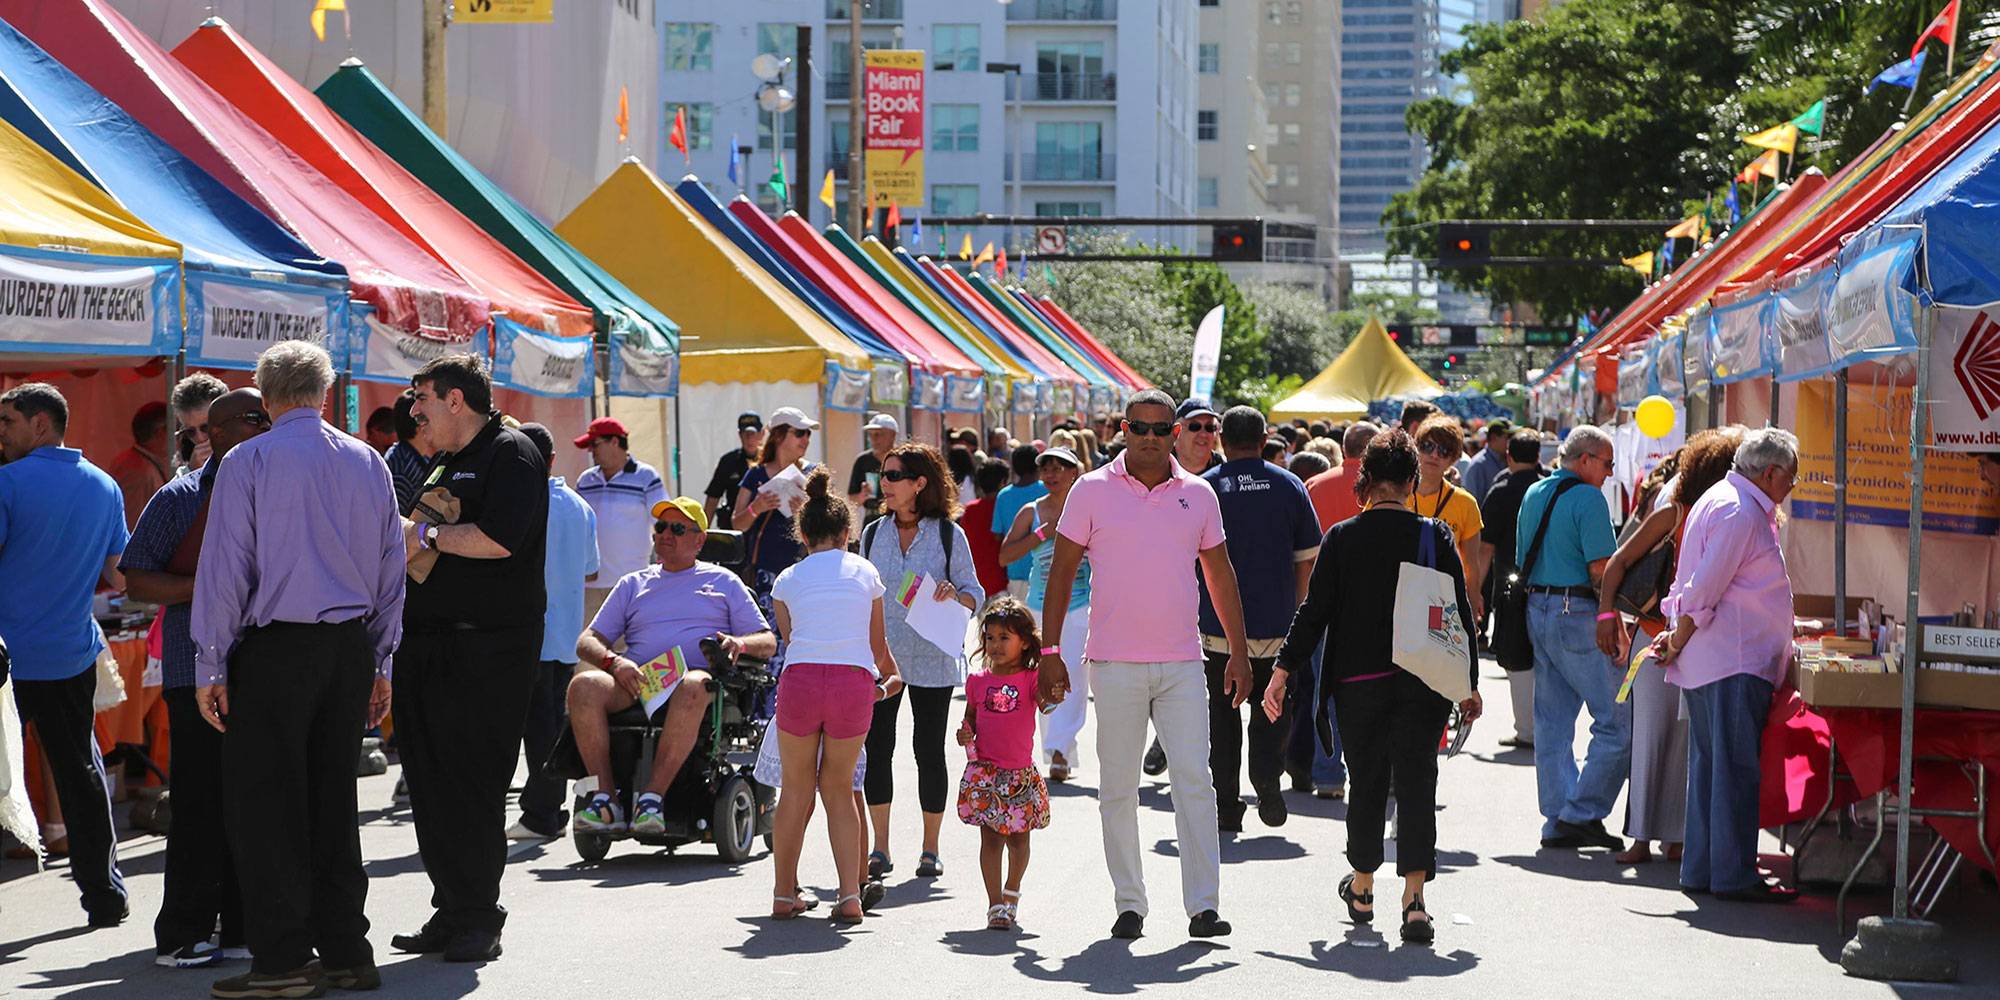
{"x": 1571, "y": 674}
{"x": 1725, "y": 738}
{"x": 1303, "y": 752}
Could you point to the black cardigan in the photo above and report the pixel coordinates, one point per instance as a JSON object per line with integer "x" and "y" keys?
{"x": 1351, "y": 599}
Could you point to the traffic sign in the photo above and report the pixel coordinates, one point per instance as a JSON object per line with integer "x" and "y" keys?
{"x": 1051, "y": 240}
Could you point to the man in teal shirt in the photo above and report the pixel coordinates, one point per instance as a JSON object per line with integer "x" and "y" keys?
{"x": 1027, "y": 489}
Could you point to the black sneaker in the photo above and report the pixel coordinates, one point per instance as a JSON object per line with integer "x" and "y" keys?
{"x": 1129, "y": 926}
{"x": 355, "y": 977}
{"x": 872, "y": 893}
{"x": 109, "y": 916}
{"x": 1271, "y": 808}
{"x": 1207, "y": 924}
{"x": 304, "y": 981}
{"x": 193, "y": 956}
{"x": 1229, "y": 824}
{"x": 473, "y": 946}
{"x": 1156, "y": 759}
{"x": 433, "y": 938}
{"x": 1595, "y": 835}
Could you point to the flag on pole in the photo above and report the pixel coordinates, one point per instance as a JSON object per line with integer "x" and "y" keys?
{"x": 894, "y": 220}
{"x": 735, "y": 159}
{"x": 1689, "y": 228}
{"x": 319, "y": 15}
{"x": 1000, "y": 264}
{"x": 1730, "y": 202}
{"x": 778, "y": 184}
{"x": 1766, "y": 165}
{"x": 965, "y": 248}
{"x": 1813, "y": 119}
{"x": 985, "y": 252}
{"x": 1943, "y": 27}
{"x": 1779, "y": 137}
{"x": 1748, "y": 175}
{"x": 678, "y": 138}
{"x": 1049, "y": 275}
{"x": 917, "y": 231}
{"x": 1902, "y": 74}
{"x": 624, "y": 116}
{"x": 1666, "y": 257}
{"x": 826, "y": 189}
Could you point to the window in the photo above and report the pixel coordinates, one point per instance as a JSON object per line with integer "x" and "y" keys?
{"x": 1211, "y": 3}
{"x": 1293, "y": 94}
{"x": 1377, "y": 91}
{"x": 1270, "y": 94}
{"x": 1378, "y": 145}
{"x": 1294, "y": 12}
{"x": 1206, "y": 126}
{"x": 1377, "y": 37}
{"x": 836, "y": 142}
{"x": 1270, "y": 134}
{"x": 1274, "y": 12}
{"x": 840, "y": 72}
{"x": 1380, "y": 55}
{"x": 1374, "y": 109}
{"x": 954, "y": 199}
{"x": 1377, "y": 20}
{"x": 1068, "y": 151}
{"x": 1069, "y": 208}
{"x": 955, "y": 47}
{"x": 1348, "y": 128}
{"x": 690, "y": 46}
{"x": 780, "y": 40}
{"x": 1379, "y": 73}
{"x": 1291, "y": 133}
{"x": 701, "y": 124}
{"x": 1272, "y": 51}
{"x": 1070, "y": 71}
{"x": 955, "y": 128}
{"x": 1206, "y": 192}
{"x": 1376, "y": 180}
{"x": 871, "y": 10}
{"x": 1208, "y": 57}
{"x": 767, "y": 122}
{"x": 1289, "y": 173}
{"x": 1294, "y": 53}
{"x": 1375, "y": 163}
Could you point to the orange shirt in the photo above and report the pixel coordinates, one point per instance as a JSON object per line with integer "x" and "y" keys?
{"x": 1332, "y": 493}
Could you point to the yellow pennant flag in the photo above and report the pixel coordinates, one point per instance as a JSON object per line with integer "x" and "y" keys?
{"x": 1766, "y": 164}
{"x": 1780, "y": 138}
{"x": 826, "y": 190}
{"x": 868, "y": 215}
{"x": 319, "y": 15}
{"x": 1642, "y": 263}
{"x": 1690, "y": 228}
{"x": 965, "y": 248}
{"x": 985, "y": 252}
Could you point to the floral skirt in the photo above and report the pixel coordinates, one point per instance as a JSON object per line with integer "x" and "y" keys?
{"x": 1003, "y": 799}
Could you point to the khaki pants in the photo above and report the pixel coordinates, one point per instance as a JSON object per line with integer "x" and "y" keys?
{"x": 1174, "y": 698}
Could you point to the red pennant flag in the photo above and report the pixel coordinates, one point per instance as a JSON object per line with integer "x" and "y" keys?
{"x": 624, "y": 115}
{"x": 678, "y": 138}
{"x": 1000, "y": 264}
{"x": 1943, "y": 27}
{"x": 895, "y": 218}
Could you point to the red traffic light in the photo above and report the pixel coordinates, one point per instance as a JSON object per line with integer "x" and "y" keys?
{"x": 1464, "y": 246}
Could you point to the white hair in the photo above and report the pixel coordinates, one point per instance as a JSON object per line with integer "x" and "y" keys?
{"x": 294, "y": 373}
{"x": 1765, "y": 449}
{"x": 1584, "y": 440}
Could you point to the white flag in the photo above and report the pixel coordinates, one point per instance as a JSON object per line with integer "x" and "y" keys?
{"x": 1207, "y": 355}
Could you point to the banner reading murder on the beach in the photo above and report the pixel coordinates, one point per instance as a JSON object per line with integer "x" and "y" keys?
{"x": 894, "y": 141}
{"x": 231, "y": 321}
{"x": 76, "y": 303}
{"x": 1878, "y": 465}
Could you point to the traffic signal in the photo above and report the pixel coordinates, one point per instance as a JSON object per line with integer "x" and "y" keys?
{"x": 1238, "y": 241}
{"x": 1450, "y": 360}
{"x": 1462, "y": 245}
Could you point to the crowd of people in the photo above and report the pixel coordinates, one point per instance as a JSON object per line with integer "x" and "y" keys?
{"x": 439, "y": 578}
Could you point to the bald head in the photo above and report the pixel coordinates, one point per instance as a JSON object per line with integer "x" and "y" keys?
{"x": 235, "y": 417}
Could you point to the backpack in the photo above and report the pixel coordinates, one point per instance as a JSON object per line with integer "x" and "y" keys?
{"x": 944, "y": 539}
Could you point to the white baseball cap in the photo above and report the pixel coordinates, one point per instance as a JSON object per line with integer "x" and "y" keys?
{"x": 792, "y": 416}
{"x": 882, "y": 422}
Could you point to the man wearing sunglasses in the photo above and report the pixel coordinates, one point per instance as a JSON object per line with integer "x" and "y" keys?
{"x": 1144, "y": 521}
{"x": 159, "y": 564}
{"x": 1195, "y": 437}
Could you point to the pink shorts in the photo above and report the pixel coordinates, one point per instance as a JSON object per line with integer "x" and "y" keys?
{"x": 835, "y": 698}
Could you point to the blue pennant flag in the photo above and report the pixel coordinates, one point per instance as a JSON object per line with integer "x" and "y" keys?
{"x": 735, "y": 157}
{"x": 1902, "y": 74}
{"x": 1667, "y": 256}
{"x": 917, "y": 232}
{"x": 1735, "y": 209}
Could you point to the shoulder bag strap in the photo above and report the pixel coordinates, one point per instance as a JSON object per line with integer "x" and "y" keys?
{"x": 944, "y": 538}
{"x": 1427, "y": 543}
{"x": 1541, "y": 531}
{"x": 868, "y": 538}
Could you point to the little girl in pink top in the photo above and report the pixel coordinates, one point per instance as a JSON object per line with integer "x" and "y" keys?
{"x": 1001, "y": 792}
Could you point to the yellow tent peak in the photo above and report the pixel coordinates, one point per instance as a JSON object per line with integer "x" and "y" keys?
{"x": 1372, "y": 367}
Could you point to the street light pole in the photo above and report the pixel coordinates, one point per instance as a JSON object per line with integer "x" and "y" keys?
{"x": 1014, "y": 105}
{"x": 857, "y": 79}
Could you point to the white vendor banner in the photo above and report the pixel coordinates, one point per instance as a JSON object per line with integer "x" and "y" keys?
{"x": 387, "y": 354}
{"x": 639, "y": 370}
{"x": 71, "y": 303}
{"x": 1870, "y": 313}
{"x": 540, "y": 364}
{"x": 1965, "y": 379}
{"x": 231, "y": 321}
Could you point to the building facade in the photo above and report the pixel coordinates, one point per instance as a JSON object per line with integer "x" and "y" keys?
{"x": 1093, "y": 99}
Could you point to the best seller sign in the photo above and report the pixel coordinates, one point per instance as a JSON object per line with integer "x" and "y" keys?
{"x": 894, "y": 145}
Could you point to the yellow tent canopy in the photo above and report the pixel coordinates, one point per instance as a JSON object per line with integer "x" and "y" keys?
{"x": 1371, "y": 368}
{"x": 739, "y": 323}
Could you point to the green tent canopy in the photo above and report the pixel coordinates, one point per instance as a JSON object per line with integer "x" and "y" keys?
{"x": 644, "y": 341}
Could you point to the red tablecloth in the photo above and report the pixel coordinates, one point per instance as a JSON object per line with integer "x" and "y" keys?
{"x": 1795, "y": 764}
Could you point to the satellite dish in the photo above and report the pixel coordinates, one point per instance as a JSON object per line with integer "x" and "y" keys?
{"x": 768, "y": 67}
{"x": 774, "y": 99}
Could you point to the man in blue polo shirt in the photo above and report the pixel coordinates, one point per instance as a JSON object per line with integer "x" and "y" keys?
{"x": 1570, "y": 674}
{"x": 62, "y": 526}
{"x": 1273, "y": 538}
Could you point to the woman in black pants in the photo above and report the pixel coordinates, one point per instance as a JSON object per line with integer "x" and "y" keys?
{"x": 1390, "y": 721}
{"x": 918, "y": 536}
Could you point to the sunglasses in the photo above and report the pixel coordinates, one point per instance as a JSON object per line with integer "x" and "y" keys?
{"x": 897, "y": 476}
{"x": 674, "y": 528}
{"x": 1137, "y": 429}
{"x": 1204, "y": 427}
{"x": 255, "y": 418}
{"x": 1436, "y": 450}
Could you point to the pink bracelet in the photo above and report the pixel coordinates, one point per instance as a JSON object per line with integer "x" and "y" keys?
{"x": 1607, "y": 616}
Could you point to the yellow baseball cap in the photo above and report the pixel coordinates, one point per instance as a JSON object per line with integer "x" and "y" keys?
{"x": 686, "y": 505}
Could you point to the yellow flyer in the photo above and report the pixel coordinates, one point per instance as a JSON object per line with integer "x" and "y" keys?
{"x": 659, "y": 677}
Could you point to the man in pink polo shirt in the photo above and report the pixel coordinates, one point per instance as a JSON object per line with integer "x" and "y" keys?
{"x": 1144, "y": 521}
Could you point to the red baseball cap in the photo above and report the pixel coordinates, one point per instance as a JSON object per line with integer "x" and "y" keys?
{"x": 601, "y": 427}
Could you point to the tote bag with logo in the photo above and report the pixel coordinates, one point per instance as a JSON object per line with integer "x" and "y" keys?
{"x": 1429, "y": 637}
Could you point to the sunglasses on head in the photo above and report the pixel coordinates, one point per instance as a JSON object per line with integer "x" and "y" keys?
{"x": 1203, "y": 427}
{"x": 674, "y": 528}
{"x": 897, "y": 476}
{"x": 1137, "y": 429}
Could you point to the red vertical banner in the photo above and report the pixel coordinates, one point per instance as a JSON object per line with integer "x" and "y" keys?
{"x": 894, "y": 141}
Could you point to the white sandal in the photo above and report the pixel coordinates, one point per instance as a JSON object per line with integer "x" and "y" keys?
{"x": 793, "y": 907}
{"x": 999, "y": 917}
{"x": 1013, "y": 908}
{"x": 842, "y": 918}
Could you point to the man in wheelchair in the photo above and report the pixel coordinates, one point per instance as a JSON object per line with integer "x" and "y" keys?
{"x": 662, "y": 613}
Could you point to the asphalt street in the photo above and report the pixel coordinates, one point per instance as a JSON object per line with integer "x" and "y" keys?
{"x": 1513, "y": 920}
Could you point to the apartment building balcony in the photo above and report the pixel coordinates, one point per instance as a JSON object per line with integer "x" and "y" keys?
{"x": 1088, "y": 168}
{"x": 1069, "y": 11}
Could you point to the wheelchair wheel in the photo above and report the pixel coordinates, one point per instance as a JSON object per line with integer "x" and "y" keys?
{"x": 591, "y": 847}
{"x": 735, "y": 822}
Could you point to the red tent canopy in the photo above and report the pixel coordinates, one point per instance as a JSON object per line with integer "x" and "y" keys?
{"x": 873, "y": 319}
{"x": 409, "y": 288}
{"x": 967, "y": 299}
{"x": 290, "y": 112}
{"x": 837, "y": 266}
{"x": 1088, "y": 341}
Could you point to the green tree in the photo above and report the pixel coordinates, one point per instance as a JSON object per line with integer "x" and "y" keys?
{"x": 1300, "y": 335}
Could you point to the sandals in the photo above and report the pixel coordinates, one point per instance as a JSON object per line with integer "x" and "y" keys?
{"x": 792, "y": 907}
{"x": 1417, "y": 931}
{"x": 1352, "y": 898}
{"x": 1058, "y": 768}
{"x": 840, "y": 916}
{"x": 929, "y": 865}
{"x": 878, "y": 864}
{"x": 1003, "y": 916}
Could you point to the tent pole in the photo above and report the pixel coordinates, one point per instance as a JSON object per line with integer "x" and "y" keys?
{"x": 677, "y": 443}
{"x": 1913, "y": 643}
{"x": 1840, "y": 502}
{"x": 1776, "y": 387}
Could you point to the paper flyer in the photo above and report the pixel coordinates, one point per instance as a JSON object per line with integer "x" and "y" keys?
{"x": 1641, "y": 652}
{"x": 940, "y": 623}
{"x": 789, "y": 487}
{"x": 907, "y": 590}
{"x": 659, "y": 677}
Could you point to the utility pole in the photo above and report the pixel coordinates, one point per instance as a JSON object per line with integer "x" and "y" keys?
{"x": 802, "y": 111}
{"x": 857, "y": 110}
{"x": 437, "y": 17}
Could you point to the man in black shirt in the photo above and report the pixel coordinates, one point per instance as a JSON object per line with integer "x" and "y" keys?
{"x": 472, "y": 636}
{"x": 719, "y": 500}
{"x": 1500, "y": 511}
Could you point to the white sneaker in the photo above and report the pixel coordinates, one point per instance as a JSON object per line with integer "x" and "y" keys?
{"x": 194, "y": 956}
{"x": 520, "y": 831}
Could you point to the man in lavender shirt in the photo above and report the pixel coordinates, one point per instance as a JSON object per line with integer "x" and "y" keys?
{"x": 297, "y": 610}
{"x": 1731, "y": 605}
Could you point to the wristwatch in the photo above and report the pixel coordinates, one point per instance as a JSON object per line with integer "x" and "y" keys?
{"x": 427, "y": 536}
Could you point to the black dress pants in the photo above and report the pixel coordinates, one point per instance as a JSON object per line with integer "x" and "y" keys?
{"x": 298, "y": 699}
{"x": 461, "y": 702}
{"x": 62, "y": 714}
{"x": 1225, "y": 738}
{"x": 544, "y": 799}
{"x": 930, "y": 717}
{"x": 1389, "y": 730}
{"x": 201, "y": 876}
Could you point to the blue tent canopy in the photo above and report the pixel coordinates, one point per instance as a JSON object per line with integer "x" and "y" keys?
{"x": 1954, "y": 211}
{"x": 705, "y": 205}
{"x": 250, "y": 282}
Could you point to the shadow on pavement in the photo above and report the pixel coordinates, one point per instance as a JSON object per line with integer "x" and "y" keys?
{"x": 106, "y": 977}
{"x": 812, "y": 934}
{"x": 1515, "y": 756}
{"x": 1594, "y": 866}
{"x": 1109, "y": 966}
{"x": 1365, "y": 954}
{"x": 429, "y": 978}
{"x": 1237, "y": 848}
{"x": 987, "y": 943}
{"x": 10, "y": 951}
{"x": 652, "y": 868}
